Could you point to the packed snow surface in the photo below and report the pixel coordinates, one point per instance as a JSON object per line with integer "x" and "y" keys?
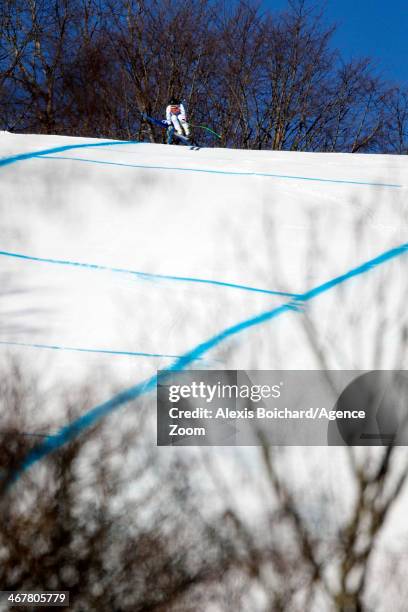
{"x": 203, "y": 229}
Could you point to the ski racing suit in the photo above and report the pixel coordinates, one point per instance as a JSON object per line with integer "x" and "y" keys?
{"x": 176, "y": 116}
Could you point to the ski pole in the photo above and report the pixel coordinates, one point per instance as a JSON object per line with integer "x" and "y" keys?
{"x": 204, "y": 127}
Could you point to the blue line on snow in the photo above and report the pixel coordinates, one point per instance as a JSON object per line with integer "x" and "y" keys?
{"x": 72, "y": 430}
{"x": 224, "y": 172}
{"x": 86, "y": 350}
{"x": 12, "y": 159}
{"x": 146, "y": 275}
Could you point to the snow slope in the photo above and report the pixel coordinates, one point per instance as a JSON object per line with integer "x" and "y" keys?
{"x": 275, "y": 221}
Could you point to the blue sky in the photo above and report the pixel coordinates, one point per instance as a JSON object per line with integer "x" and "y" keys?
{"x": 375, "y": 28}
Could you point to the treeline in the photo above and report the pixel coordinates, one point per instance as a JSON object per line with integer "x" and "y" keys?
{"x": 262, "y": 80}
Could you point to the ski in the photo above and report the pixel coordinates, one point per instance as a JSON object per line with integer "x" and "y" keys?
{"x": 163, "y": 124}
{"x": 183, "y": 139}
{"x": 187, "y": 141}
{"x": 160, "y": 122}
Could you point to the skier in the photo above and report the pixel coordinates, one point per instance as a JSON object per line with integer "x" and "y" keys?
{"x": 176, "y": 119}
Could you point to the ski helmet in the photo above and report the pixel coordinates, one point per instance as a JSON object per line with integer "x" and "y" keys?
{"x": 174, "y": 100}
